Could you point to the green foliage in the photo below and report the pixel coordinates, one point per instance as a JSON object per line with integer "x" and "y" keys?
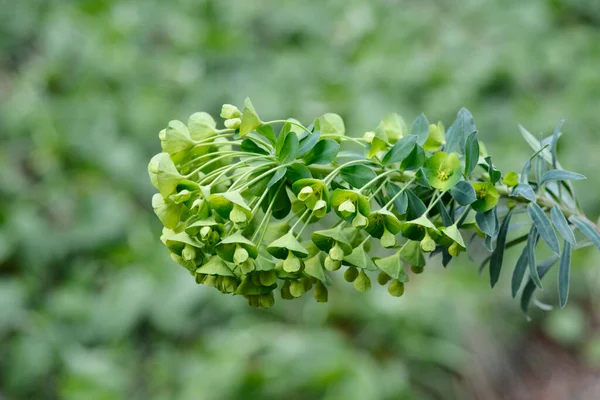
{"x": 366, "y": 211}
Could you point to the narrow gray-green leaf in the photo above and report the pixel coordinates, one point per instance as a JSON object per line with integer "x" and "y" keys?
{"x": 498, "y": 254}
{"x": 471, "y": 153}
{"x": 457, "y": 133}
{"x": 561, "y": 175}
{"x": 420, "y": 128}
{"x": 400, "y": 202}
{"x": 560, "y": 222}
{"x": 415, "y": 159}
{"x": 563, "y": 274}
{"x": 524, "y": 190}
{"x": 544, "y": 226}
{"x": 494, "y": 173}
{"x": 555, "y": 137}
{"x": 324, "y": 152}
{"x": 519, "y": 271}
{"x": 463, "y": 193}
{"x": 540, "y": 271}
{"x": 531, "y": 244}
{"x": 588, "y": 229}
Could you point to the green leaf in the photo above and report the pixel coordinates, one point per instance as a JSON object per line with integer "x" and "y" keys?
{"x": 324, "y": 152}
{"x": 459, "y": 130}
{"x": 215, "y": 266}
{"x": 394, "y": 127}
{"x": 540, "y": 271}
{"x": 282, "y": 204}
{"x": 524, "y": 190}
{"x": 471, "y": 153}
{"x": 544, "y": 226}
{"x": 289, "y": 148}
{"x": 563, "y": 274}
{"x": 414, "y": 160}
{"x": 447, "y": 220}
{"x": 313, "y": 267}
{"x": 167, "y": 211}
{"x": 251, "y": 146}
{"x": 555, "y": 137}
{"x": 360, "y": 259}
{"x": 561, "y": 175}
{"x": 400, "y": 202}
{"x": 422, "y": 221}
{"x": 560, "y": 222}
{"x": 297, "y": 171}
{"x": 267, "y": 132}
{"x": 276, "y": 177}
{"x": 250, "y": 120}
{"x": 401, "y": 150}
{"x": 308, "y": 142}
{"x": 532, "y": 240}
{"x": 495, "y": 174}
{"x": 519, "y": 271}
{"x": 454, "y": 233}
{"x": 588, "y": 229}
{"x": 498, "y": 254}
{"x": 420, "y": 128}
{"x": 416, "y": 207}
{"x": 201, "y": 125}
{"x": 357, "y": 175}
{"x": 535, "y": 144}
{"x": 463, "y": 193}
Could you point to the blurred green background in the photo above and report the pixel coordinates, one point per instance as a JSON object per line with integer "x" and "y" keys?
{"x": 92, "y": 307}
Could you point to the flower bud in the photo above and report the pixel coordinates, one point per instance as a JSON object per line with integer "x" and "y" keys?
{"x": 307, "y": 284}
{"x": 266, "y": 300}
{"x": 368, "y": 136}
{"x": 182, "y": 196}
{"x": 454, "y": 249}
{"x": 388, "y": 239}
{"x": 336, "y": 253}
{"x": 360, "y": 221}
{"x": 238, "y": 216}
{"x": 347, "y": 209}
{"x": 427, "y": 244}
{"x": 285, "y": 291}
{"x": 383, "y": 278}
{"x": 320, "y": 292}
{"x": 416, "y": 269}
{"x": 188, "y": 253}
{"x": 267, "y": 278}
{"x": 233, "y": 123}
{"x": 305, "y": 193}
{"x": 247, "y": 266}
{"x": 396, "y": 288}
{"x": 228, "y": 284}
{"x": 332, "y": 265}
{"x": 240, "y": 255}
{"x": 292, "y": 263}
{"x": 351, "y": 274}
{"x": 362, "y": 283}
{"x": 253, "y": 300}
{"x": 229, "y": 111}
{"x": 320, "y": 209}
{"x": 297, "y": 288}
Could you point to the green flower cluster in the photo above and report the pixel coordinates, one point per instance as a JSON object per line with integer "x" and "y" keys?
{"x": 236, "y": 202}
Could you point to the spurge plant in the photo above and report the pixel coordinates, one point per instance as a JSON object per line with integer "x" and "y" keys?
{"x": 249, "y": 208}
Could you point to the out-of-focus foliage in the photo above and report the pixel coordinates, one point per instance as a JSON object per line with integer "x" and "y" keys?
{"x": 90, "y": 305}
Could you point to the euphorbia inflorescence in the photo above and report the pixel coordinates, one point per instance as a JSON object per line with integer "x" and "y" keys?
{"x": 248, "y": 210}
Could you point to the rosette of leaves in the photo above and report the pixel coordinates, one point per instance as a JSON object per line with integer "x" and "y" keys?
{"x": 245, "y": 208}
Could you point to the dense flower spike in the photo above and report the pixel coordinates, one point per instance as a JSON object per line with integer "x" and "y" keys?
{"x": 246, "y": 209}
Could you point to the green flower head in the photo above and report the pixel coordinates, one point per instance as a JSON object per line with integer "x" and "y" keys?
{"x": 314, "y": 194}
{"x": 231, "y": 206}
{"x": 236, "y": 249}
{"x": 207, "y": 231}
{"x": 442, "y": 170}
{"x": 333, "y": 242}
{"x": 351, "y": 206}
{"x": 487, "y": 196}
{"x": 384, "y": 225}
